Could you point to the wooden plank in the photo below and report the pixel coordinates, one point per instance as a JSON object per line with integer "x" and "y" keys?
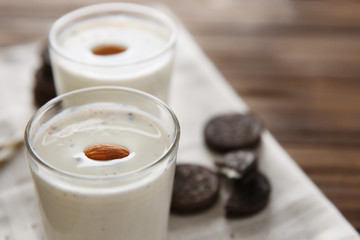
{"x": 336, "y": 171}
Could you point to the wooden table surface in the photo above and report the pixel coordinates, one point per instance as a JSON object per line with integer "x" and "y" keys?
{"x": 296, "y": 63}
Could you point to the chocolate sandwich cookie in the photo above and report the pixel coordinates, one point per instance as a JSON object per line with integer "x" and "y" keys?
{"x": 196, "y": 188}
{"x": 248, "y": 197}
{"x": 45, "y": 56}
{"x": 44, "y": 89}
{"x": 239, "y": 164}
{"x": 232, "y": 131}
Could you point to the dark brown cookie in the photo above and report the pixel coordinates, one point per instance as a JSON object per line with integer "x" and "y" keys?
{"x": 239, "y": 164}
{"x": 232, "y": 131}
{"x": 248, "y": 197}
{"x": 196, "y": 188}
{"x": 45, "y": 56}
{"x": 44, "y": 88}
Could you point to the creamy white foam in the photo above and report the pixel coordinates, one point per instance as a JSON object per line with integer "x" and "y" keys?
{"x": 69, "y": 133}
{"x": 141, "y": 38}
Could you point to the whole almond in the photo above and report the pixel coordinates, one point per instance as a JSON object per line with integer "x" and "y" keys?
{"x": 108, "y": 49}
{"x": 105, "y": 152}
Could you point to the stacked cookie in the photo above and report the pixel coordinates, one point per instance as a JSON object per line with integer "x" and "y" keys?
{"x": 235, "y": 137}
{"x": 44, "y": 88}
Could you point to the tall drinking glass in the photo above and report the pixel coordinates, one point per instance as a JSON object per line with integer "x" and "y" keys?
{"x": 102, "y": 161}
{"x": 118, "y": 44}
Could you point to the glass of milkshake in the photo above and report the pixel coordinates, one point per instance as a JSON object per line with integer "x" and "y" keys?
{"x": 118, "y": 44}
{"x": 102, "y": 161}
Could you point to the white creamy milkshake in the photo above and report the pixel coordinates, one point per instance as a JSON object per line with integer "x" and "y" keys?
{"x": 113, "y": 44}
{"x": 123, "y": 198}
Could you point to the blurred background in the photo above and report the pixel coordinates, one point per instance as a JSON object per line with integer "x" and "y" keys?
{"x": 296, "y": 63}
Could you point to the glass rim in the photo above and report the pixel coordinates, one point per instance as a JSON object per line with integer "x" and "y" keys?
{"x": 54, "y": 101}
{"x": 109, "y": 8}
